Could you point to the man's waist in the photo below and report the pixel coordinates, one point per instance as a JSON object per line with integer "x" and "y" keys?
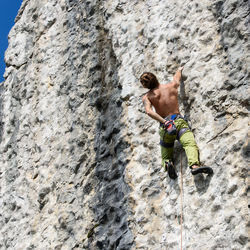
{"x": 173, "y": 117}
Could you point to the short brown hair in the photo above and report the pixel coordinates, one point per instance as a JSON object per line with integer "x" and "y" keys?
{"x": 149, "y": 80}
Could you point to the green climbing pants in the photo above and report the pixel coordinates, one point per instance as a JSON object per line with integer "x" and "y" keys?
{"x": 187, "y": 140}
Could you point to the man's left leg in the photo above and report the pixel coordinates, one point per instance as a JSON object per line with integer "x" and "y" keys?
{"x": 188, "y": 142}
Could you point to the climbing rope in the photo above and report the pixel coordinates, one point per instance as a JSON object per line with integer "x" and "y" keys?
{"x": 181, "y": 200}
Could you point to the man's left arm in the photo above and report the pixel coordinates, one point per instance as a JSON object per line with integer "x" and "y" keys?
{"x": 150, "y": 112}
{"x": 177, "y": 77}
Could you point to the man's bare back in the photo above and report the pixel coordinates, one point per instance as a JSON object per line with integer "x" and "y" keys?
{"x": 164, "y": 98}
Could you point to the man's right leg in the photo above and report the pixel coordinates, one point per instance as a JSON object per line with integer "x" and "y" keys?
{"x": 166, "y": 155}
{"x": 167, "y": 151}
{"x": 167, "y": 161}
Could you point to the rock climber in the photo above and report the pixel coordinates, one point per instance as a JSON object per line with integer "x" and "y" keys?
{"x": 164, "y": 99}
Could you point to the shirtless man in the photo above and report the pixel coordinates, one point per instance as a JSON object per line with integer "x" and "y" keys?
{"x": 164, "y": 99}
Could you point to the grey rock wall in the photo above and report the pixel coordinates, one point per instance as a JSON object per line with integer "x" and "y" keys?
{"x": 80, "y": 160}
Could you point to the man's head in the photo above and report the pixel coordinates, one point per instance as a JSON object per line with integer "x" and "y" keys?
{"x": 149, "y": 80}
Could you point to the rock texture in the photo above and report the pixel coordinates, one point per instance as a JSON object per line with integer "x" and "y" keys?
{"x": 80, "y": 161}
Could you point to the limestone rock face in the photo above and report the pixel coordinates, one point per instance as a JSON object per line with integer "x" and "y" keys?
{"x": 80, "y": 160}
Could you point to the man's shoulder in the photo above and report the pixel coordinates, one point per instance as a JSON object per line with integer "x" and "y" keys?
{"x": 164, "y": 86}
{"x": 145, "y": 96}
{"x": 148, "y": 96}
{"x": 167, "y": 84}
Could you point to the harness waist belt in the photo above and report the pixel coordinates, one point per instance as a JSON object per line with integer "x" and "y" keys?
{"x": 173, "y": 117}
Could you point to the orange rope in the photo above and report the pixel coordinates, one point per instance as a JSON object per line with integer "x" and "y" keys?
{"x": 181, "y": 193}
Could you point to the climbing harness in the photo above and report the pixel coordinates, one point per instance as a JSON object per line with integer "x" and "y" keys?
{"x": 181, "y": 132}
{"x": 170, "y": 128}
{"x": 166, "y": 145}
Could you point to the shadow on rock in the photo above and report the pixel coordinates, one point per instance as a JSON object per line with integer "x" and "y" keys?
{"x": 202, "y": 183}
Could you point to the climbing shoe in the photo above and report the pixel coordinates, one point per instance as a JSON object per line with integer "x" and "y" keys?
{"x": 171, "y": 170}
{"x": 204, "y": 170}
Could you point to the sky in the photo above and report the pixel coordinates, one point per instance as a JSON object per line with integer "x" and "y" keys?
{"x": 8, "y": 12}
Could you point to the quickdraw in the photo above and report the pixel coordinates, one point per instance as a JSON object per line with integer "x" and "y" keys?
{"x": 170, "y": 127}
